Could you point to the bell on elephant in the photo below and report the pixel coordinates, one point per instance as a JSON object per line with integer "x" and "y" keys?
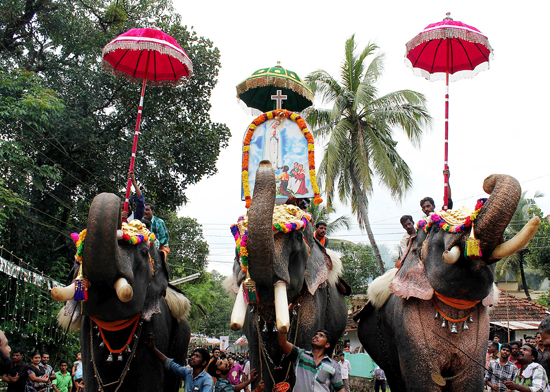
{"x": 470, "y": 319}
{"x": 465, "y": 326}
{"x": 120, "y": 357}
{"x": 444, "y": 324}
{"x": 109, "y": 358}
{"x": 454, "y": 328}
{"x": 436, "y": 315}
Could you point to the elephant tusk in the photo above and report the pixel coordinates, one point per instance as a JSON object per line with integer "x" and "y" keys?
{"x": 451, "y": 256}
{"x": 239, "y": 311}
{"x": 63, "y": 294}
{"x": 124, "y": 291}
{"x": 518, "y": 242}
{"x": 281, "y": 307}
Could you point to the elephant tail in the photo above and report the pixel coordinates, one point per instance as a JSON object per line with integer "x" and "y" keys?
{"x": 178, "y": 303}
{"x": 379, "y": 290}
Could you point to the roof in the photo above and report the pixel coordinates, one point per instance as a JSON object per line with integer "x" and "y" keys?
{"x": 517, "y": 325}
{"x": 515, "y": 309}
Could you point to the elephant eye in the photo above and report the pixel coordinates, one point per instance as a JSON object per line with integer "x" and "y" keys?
{"x": 144, "y": 252}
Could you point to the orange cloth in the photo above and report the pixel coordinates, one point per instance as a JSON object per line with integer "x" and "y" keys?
{"x": 322, "y": 240}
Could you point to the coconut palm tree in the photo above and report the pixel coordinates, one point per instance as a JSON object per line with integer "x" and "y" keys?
{"x": 322, "y": 212}
{"x": 359, "y": 127}
{"x": 514, "y": 265}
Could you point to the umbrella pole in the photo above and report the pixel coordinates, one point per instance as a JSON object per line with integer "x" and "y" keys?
{"x": 446, "y": 163}
{"x": 136, "y": 133}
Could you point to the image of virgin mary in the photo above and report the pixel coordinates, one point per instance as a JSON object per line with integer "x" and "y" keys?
{"x": 272, "y": 146}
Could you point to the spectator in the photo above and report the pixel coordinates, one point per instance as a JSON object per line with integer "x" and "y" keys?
{"x": 501, "y": 370}
{"x": 235, "y": 373}
{"x": 17, "y": 376}
{"x": 542, "y": 353}
{"x": 5, "y": 350}
{"x": 492, "y": 353}
{"x": 308, "y": 378}
{"x": 216, "y": 352}
{"x": 63, "y": 381}
{"x": 37, "y": 377}
{"x": 379, "y": 379}
{"x": 219, "y": 369}
{"x": 137, "y": 198}
{"x": 320, "y": 231}
{"x": 496, "y": 338}
{"x": 515, "y": 346}
{"x": 246, "y": 373}
{"x": 76, "y": 372}
{"x": 158, "y": 227}
{"x": 49, "y": 370}
{"x": 195, "y": 378}
{"x": 532, "y": 377}
{"x": 345, "y": 368}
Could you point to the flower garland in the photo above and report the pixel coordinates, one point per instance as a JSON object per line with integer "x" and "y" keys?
{"x": 284, "y": 227}
{"x": 81, "y": 283}
{"x": 310, "y": 150}
{"x": 435, "y": 218}
{"x": 240, "y": 244}
{"x": 472, "y": 249}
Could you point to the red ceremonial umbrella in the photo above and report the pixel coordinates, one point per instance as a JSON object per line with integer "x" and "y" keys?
{"x": 449, "y": 50}
{"x": 150, "y": 57}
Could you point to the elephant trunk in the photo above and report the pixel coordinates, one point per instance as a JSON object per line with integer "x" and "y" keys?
{"x": 101, "y": 257}
{"x": 497, "y": 211}
{"x": 260, "y": 243}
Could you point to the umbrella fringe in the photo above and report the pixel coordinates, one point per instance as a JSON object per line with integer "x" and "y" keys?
{"x": 433, "y": 77}
{"x": 446, "y": 33}
{"x": 144, "y": 45}
{"x": 276, "y": 81}
{"x": 150, "y": 82}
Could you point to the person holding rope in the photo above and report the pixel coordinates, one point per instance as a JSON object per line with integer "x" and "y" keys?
{"x": 501, "y": 370}
{"x": 196, "y": 378}
{"x": 315, "y": 371}
{"x": 532, "y": 376}
{"x": 219, "y": 369}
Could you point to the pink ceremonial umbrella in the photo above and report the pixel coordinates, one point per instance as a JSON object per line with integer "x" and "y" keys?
{"x": 449, "y": 50}
{"x": 150, "y": 57}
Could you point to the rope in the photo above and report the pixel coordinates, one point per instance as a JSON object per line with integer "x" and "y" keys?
{"x": 456, "y": 303}
{"x": 450, "y": 319}
{"x": 116, "y": 326}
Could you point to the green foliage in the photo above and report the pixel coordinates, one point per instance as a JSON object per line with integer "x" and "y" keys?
{"x": 360, "y": 265}
{"x": 321, "y": 213}
{"x": 359, "y": 126}
{"x": 188, "y": 248}
{"x": 70, "y": 125}
{"x": 212, "y": 306}
{"x": 544, "y": 299}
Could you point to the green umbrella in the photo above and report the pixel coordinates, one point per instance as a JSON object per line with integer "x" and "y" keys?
{"x": 266, "y": 86}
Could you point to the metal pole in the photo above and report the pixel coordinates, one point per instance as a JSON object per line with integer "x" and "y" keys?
{"x": 446, "y": 163}
{"x": 136, "y": 133}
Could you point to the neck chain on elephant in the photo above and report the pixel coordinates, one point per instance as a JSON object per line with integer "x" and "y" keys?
{"x": 263, "y": 349}
{"x": 136, "y": 337}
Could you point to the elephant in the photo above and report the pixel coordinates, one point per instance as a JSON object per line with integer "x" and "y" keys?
{"x": 427, "y": 323}
{"x": 290, "y": 270}
{"x": 128, "y": 296}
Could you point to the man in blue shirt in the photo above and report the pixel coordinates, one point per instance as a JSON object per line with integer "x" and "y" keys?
{"x": 196, "y": 378}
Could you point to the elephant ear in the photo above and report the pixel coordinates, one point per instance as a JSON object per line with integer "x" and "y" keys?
{"x": 317, "y": 267}
{"x": 412, "y": 279}
{"x": 157, "y": 285}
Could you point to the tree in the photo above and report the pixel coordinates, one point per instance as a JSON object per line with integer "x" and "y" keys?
{"x": 515, "y": 264}
{"x": 360, "y": 265}
{"x": 360, "y": 130}
{"x": 65, "y": 113}
{"x": 321, "y": 213}
{"x": 188, "y": 248}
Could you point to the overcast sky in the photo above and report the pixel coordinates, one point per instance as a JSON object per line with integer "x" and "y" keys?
{"x": 497, "y": 119}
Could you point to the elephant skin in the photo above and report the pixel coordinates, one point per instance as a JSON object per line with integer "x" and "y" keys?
{"x": 404, "y": 336}
{"x": 106, "y": 259}
{"x": 297, "y": 259}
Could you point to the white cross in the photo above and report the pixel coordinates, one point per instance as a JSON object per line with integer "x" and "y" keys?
{"x": 279, "y": 98}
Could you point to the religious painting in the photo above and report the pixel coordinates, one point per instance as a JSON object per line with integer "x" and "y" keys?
{"x": 280, "y": 141}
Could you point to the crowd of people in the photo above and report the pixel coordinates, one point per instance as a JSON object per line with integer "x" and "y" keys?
{"x": 38, "y": 375}
{"x": 519, "y": 365}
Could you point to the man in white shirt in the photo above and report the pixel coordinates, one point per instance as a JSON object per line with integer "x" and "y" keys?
{"x": 408, "y": 224}
{"x": 345, "y": 368}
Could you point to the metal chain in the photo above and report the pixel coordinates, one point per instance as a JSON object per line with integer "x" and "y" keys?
{"x": 126, "y": 367}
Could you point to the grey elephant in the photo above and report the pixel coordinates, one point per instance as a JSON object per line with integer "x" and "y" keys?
{"x": 427, "y": 324}
{"x": 291, "y": 271}
{"x": 128, "y": 296}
